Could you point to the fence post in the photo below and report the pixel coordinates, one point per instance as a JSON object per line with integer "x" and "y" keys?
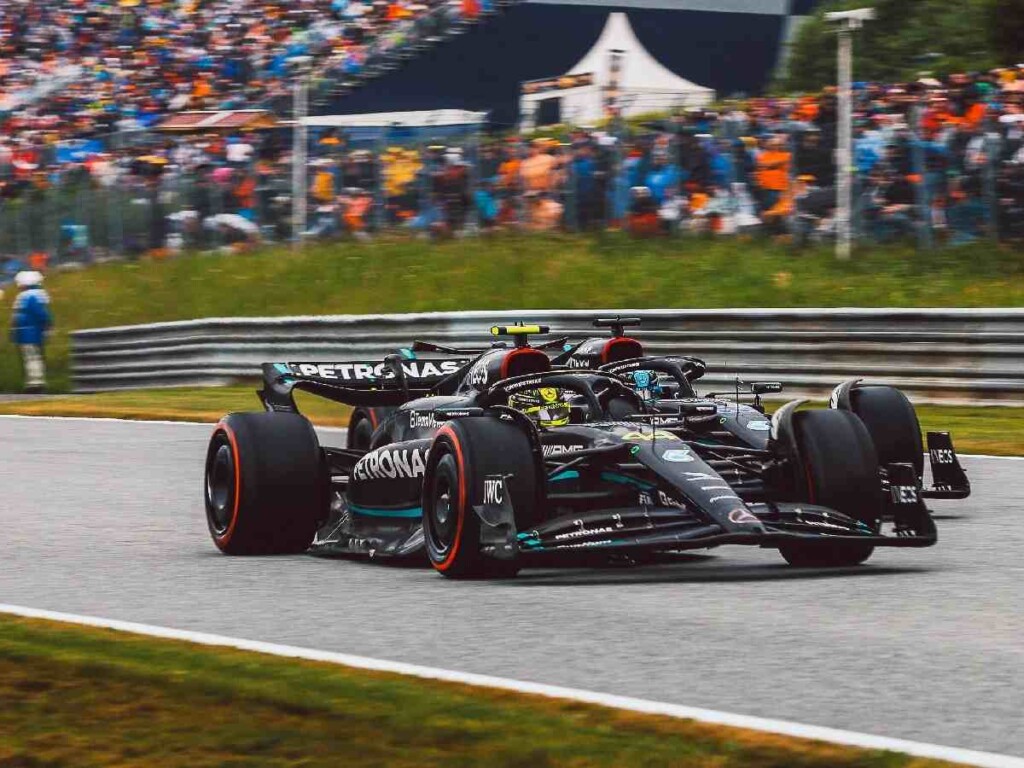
{"x": 925, "y": 240}
{"x": 378, "y": 181}
{"x": 473, "y": 170}
{"x": 992, "y": 154}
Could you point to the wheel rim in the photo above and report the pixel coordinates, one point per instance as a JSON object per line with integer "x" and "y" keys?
{"x": 220, "y": 487}
{"x": 442, "y": 515}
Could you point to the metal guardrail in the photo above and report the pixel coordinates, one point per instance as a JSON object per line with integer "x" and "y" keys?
{"x": 941, "y": 355}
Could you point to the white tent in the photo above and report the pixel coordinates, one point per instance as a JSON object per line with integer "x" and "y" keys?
{"x": 643, "y": 83}
{"x": 427, "y": 119}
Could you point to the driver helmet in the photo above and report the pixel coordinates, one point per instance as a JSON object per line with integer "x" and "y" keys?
{"x": 546, "y": 406}
{"x": 646, "y": 384}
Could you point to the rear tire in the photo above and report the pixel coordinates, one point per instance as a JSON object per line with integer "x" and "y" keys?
{"x": 360, "y": 431}
{"x": 464, "y": 453}
{"x": 892, "y": 423}
{"x": 840, "y": 471}
{"x": 264, "y": 485}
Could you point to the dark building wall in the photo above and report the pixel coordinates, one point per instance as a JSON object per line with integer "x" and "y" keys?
{"x": 482, "y": 69}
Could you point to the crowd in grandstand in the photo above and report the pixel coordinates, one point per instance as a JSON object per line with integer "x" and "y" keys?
{"x": 941, "y": 157}
{"x": 124, "y": 64}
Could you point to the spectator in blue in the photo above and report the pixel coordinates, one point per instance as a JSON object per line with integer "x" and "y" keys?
{"x": 588, "y": 200}
{"x": 663, "y": 177}
{"x": 29, "y": 324}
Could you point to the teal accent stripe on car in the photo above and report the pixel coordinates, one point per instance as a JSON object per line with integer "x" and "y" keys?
{"x": 411, "y": 512}
{"x": 282, "y": 368}
{"x": 569, "y": 474}
{"x": 613, "y": 477}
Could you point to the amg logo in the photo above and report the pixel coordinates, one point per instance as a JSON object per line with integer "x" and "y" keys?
{"x": 494, "y": 491}
{"x": 557, "y": 450}
{"x": 418, "y": 369}
{"x": 391, "y": 464}
{"x": 422, "y": 420}
{"x": 941, "y": 455}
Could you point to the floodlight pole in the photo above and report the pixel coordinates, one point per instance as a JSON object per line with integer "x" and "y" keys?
{"x": 846, "y": 23}
{"x": 300, "y": 110}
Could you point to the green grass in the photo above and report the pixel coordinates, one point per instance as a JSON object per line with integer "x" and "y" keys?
{"x": 994, "y": 430}
{"x": 198, "y": 404}
{"x": 84, "y": 697}
{"x": 510, "y": 272}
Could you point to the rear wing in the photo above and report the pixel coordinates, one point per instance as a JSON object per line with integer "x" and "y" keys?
{"x": 392, "y": 381}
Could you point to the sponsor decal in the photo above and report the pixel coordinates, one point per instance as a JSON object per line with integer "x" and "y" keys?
{"x": 696, "y": 477}
{"x": 422, "y": 420}
{"x": 645, "y": 499}
{"x": 494, "y": 491}
{"x": 668, "y": 501}
{"x": 741, "y": 516}
{"x": 759, "y": 426}
{"x": 582, "y": 532}
{"x": 391, "y": 464}
{"x": 578, "y": 362}
{"x": 478, "y": 375}
{"x": 658, "y": 434}
{"x": 822, "y": 524}
{"x": 624, "y": 366}
{"x": 903, "y": 494}
{"x": 713, "y": 499}
{"x": 682, "y": 456}
{"x": 524, "y": 384}
{"x": 414, "y": 369}
{"x": 557, "y": 450}
{"x": 942, "y": 455}
{"x": 582, "y": 544}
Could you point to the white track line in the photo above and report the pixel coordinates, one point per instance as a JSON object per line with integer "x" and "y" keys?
{"x": 786, "y": 728}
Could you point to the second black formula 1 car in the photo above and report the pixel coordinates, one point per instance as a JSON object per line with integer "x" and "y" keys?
{"x": 496, "y": 459}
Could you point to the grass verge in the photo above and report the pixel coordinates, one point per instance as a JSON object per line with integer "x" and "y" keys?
{"x": 512, "y": 272}
{"x": 185, "y": 404}
{"x": 84, "y": 697}
{"x": 994, "y": 430}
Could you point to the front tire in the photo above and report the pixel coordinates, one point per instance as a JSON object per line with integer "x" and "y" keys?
{"x": 892, "y": 423}
{"x": 840, "y": 471}
{"x": 264, "y": 486}
{"x": 464, "y": 453}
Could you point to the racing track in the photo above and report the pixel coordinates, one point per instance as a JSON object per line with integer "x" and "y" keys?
{"x": 105, "y": 519}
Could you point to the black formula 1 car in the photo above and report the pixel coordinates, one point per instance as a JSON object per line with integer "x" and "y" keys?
{"x": 666, "y": 384}
{"x": 490, "y": 460}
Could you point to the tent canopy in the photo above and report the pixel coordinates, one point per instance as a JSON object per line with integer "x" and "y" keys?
{"x": 434, "y": 118}
{"x": 643, "y": 83}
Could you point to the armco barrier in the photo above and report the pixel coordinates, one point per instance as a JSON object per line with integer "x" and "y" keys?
{"x": 967, "y": 355}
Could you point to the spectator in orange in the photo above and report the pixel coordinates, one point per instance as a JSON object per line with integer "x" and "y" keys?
{"x": 772, "y": 173}
{"x": 543, "y": 213}
{"x": 539, "y": 169}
